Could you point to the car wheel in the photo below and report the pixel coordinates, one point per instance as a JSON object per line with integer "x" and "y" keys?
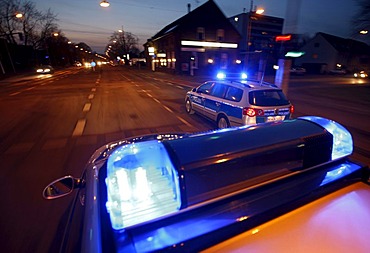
{"x": 189, "y": 106}
{"x": 222, "y": 122}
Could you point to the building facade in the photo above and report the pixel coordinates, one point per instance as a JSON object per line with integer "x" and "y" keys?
{"x": 258, "y": 45}
{"x": 201, "y": 42}
{"x": 327, "y": 52}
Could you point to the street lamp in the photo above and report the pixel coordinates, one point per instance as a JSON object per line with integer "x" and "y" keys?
{"x": 364, "y": 32}
{"x": 19, "y": 15}
{"x": 104, "y": 4}
{"x": 260, "y": 11}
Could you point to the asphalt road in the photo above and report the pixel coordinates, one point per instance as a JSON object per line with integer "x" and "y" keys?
{"x": 50, "y": 126}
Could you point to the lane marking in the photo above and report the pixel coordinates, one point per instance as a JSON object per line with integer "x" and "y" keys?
{"x": 93, "y": 89}
{"x": 80, "y": 126}
{"x": 167, "y": 108}
{"x": 87, "y": 107}
{"x": 184, "y": 121}
{"x": 91, "y": 96}
{"x": 15, "y": 93}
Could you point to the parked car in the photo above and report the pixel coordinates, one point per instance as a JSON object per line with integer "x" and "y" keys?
{"x": 192, "y": 192}
{"x": 45, "y": 69}
{"x": 237, "y": 103}
{"x": 299, "y": 71}
{"x": 361, "y": 74}
{"x": 338, "y": 72}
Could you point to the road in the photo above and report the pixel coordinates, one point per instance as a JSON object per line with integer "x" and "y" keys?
{"x": 50, "y": 126}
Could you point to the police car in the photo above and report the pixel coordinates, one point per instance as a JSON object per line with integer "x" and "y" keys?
{"x": 219, "y": 191}
{"x": 235, "y": 103}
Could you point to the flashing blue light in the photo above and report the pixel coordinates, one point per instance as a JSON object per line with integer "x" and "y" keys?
{"x": 142, "y": 184}
{"x": 244, "y": 76}
{"x": 339, "y": 171}
{"x": 221, "y": 75}
{"x": 342, "y": 139}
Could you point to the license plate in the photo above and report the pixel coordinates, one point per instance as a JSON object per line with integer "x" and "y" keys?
{"x": 274, "y": 118}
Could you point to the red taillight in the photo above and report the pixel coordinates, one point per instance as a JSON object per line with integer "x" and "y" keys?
{"x": 291, "y": 109}
{"x": 251, "y": 112}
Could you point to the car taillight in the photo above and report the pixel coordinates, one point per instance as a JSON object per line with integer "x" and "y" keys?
{"x": 291, "y": 109}
{"x": 252, "y": 112}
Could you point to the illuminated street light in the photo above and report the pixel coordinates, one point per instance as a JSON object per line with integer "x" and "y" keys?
{"x": 260, "y": 11}
{"x": 55, "y": 34}
{"x": 104, "y": 4}
{"x": 364, "y": 32}
{"x": 19, "y": 15}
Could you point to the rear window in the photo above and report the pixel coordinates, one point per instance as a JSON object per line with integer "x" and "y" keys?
{"x": 267, "y": 98}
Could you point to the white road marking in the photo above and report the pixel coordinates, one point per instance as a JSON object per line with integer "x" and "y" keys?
{"x": 87, "y": 107}
{"x": 91, "y": 96}
{"x": 80, "y": 126}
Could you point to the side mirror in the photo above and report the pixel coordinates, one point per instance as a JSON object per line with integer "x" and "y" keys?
{"x": 194, "y": 90}
{"x": 60, "y": 187}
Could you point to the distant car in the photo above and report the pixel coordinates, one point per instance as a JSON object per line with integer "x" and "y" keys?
{"x": 297, "y": 71}
{"x": 78, "y": 64}
{"x": 338, "y": 72}
{"x": 45, "y": 69}
{"x": 361, "y": 74}
{"x": 237, "y": 103}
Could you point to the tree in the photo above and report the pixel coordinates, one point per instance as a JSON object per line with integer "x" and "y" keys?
{"x": 122, "y": 44}
{"x": 9, "y": 23}
{"x": 35, "y": 26}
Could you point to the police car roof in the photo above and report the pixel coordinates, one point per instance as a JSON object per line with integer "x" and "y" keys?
{"x": 252, "y": 84}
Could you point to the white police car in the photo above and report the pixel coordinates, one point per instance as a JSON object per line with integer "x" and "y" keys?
{"x": 236, "y": 103}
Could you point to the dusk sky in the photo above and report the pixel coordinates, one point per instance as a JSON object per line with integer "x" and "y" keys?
{"x": 85, "y": 21}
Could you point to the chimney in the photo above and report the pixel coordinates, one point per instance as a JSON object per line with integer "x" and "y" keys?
{"x": 189, "y": 5}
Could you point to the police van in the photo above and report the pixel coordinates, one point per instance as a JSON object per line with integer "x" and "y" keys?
{"x": 236, "y": 103}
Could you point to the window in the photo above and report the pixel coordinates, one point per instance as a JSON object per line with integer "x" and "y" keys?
{"x": 219, "y": 90}
{"x": 220, "y": 34}
{"x": 200, "y": 33}
{"x": 206, "y": 88}
{"x": 234, "y": 94}
{"x": 267, "y": 98}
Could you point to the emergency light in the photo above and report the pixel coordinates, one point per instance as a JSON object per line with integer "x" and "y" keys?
{"x": 154, "y": 178}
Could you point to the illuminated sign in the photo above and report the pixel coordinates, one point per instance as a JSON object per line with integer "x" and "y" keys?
{"x": 294, "y": 54}
{"x": 283, "y": 37}
{"x": 208, "y": 44}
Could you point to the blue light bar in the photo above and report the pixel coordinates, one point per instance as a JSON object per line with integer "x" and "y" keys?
{"x": 221, "y": 75}
{"x": 342, "y": 139}
{"x": 142, "y": 184}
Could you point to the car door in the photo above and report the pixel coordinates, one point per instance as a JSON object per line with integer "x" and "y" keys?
{"x": 198, "y": 97}
{"x": 213, "y": 102}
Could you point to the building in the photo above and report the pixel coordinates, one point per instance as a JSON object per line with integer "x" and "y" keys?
{"x": 258, "y": 33}
{"x": 200, "y": 42}
{"x": 327, "y": 52}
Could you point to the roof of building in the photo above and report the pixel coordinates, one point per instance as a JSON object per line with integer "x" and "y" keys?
{"x": 203, "y": 14}
{"x": 345, "y": 45}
